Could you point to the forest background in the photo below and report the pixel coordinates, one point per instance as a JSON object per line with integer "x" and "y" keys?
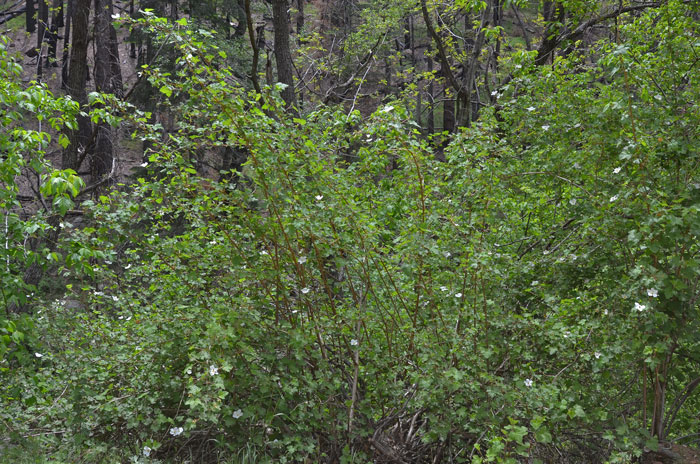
{"x": 349, "y": 231}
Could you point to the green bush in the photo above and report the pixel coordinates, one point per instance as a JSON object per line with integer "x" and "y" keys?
{"x": 348, "y": 298}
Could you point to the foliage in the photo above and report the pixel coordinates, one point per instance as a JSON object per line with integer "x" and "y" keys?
{"x": 347, "y": 297}
{"x": 27, "y": 113}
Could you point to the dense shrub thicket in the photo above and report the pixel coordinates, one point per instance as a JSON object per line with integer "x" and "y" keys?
{"x": 346, "y": 297}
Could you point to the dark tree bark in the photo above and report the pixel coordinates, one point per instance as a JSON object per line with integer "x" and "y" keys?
{"x": 41, "y": 36}
{"x": 239, "y": 14}
{"x": 431, "y": 95}
{"x": 132, "y": 41}
{"x": 77, "y": 77}
{"x": 108, "y": 79}
{"x": 253, "y": 45}
{"x": 66, "y": 44}
{"x": 30, "y": 17}
{"x": 448, "y": 114}
{"x": 283, "y": 55}
{"x": 300, "y": 19}
{"x": 58, "y": 12}
{"x": 554, "y": 16}
{"x": 445, "y": 71}
{"x": 52, "y": 35}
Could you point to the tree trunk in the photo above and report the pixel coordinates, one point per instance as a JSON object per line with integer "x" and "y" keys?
{"x": 431, "y": 95}
{"x": 448, "y": 113}
{"x": 108, "y": 79}
{"x": 554, "y": 16}
{"x": 660, "y": 389}
{"x": 132, "y": 41}
{"x": 43, "y": 19}
{"x": 283, "y": 55}
{"x": 52, "y": 37}
{"x": 77, "y": 77}
{"x": 30, "y": 17}
{"x": 66, "y": 44}
{"x": 300, "y": 20}
{"x": 239, "y": 14}
{"x": 60, "y": 19}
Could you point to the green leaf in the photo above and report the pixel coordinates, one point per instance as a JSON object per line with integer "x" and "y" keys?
{"x": 542, "y": 435}
{"x": 63, "y": 141}
{"x": 166, "y": 90}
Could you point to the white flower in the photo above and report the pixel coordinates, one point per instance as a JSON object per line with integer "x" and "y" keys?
{"x": 443, "y": 289}
{"x": 652, "y": 292}
{"x": 175, "y": 431}
{"x": 121, "y": 317}
{"x": 115, "y": 298}
{"x": 38, "y": 355}
{"x": 605, "y": 312}
{"x": 458, "y": 295}
{"x": 237, "y": 413}
{"x": 545, "y": 127}
{"x": 639, "y": 307}
{"x": 301, "y": 260}
{"x": 617, "y": 170}
{"x": 305, "y": 290}
{"x": 447, "y": 254}
{"x": 264, "y": 252}
{"x": 597, "y": 354}
{"x": 213, "y": 370}
{"x": 572, "y": 201}
{"x": 147, "y": 451}
{"x": 354, "y": 342}
{"x": 534, "y": 283}
{"x": 143, "y": 165}
{"x": 116, "y": 16}
{"x": 614, "y": 198}
{"x": 528, "y": 382}
{"x": 319, "y": 197}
